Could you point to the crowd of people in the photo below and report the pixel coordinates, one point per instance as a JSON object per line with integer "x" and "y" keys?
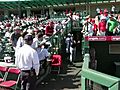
{"x": 28, "y": 37}
{"x": 105, "y": 23}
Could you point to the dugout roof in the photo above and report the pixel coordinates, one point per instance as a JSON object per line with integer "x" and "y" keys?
{"x": 13, "y": 4}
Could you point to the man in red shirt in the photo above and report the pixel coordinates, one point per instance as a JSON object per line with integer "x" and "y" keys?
{"x": 49, "y": 30}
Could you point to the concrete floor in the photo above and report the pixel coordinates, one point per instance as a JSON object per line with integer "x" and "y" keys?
{"x": 68, "y": 79}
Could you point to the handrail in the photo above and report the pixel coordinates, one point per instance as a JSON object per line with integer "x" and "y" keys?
{"x": 58, "y": 36}
{"x": 100, "y": 78}
{"x": 97, "y": 77}
{"x": 65, "y": 29}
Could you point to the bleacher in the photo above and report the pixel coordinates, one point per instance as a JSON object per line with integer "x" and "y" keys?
{"x": 101, "y": 80}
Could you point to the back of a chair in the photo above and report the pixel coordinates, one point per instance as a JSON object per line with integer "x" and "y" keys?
{"x": 13, "y": 74}
{"x": 3, "y": 70}
{"x": 14, "y": 70}
{"x": 56, "y": 59}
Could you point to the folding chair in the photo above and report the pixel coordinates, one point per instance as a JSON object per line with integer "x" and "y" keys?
{"x": 56, "y": 63}
{"x": 3, "y": 70}
{"x": 12, "y": 79}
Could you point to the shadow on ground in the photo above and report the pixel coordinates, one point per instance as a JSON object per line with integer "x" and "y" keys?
{"x": 68, "y": 79}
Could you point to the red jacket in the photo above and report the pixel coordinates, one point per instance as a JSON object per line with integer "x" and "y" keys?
{"x": 102, "y": 26}
{"x": 49, "y": 31}
{"x": 95, "y": 27}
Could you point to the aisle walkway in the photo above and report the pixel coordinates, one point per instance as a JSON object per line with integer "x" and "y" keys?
{"x": 68, "y": 79}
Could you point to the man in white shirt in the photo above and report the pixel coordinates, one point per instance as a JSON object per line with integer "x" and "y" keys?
{"x": 69, "y": 48}
{"x": 98, "y": 11}
{"x": 58, "y": 27}
{"x": 7, "y": 33}
{"x": 43, "y": 53}
{"x": 26, "y": 59}
{"x": 75, "y": 17}
{"x": 113, "y": 9}
{"x": 64, "y": 22}
{"x": 36, "y": 40}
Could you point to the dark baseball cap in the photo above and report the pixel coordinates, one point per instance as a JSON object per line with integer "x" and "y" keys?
{"x": 28, "y": 37}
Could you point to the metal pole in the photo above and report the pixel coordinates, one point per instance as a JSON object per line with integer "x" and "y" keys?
{"x": 86, "y": 9}
{"x": 89, "y": 9}
{"x": 19, "y": 8}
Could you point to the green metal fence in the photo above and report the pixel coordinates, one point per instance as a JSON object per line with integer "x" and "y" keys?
{"x": 98, "y": 80}
{"x": 85, "y": 47}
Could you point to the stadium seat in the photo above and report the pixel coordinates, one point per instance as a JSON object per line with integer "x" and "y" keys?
{"x": 56, "y": 63}
{"x": 3, "y": 70}
{"x": 12, "y": 79}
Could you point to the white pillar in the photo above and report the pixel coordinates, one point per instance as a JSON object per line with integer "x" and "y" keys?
{"x": 89, "y": 9}
{"x": 28, "y": 12}
{"x": 6, "y": 13}
{"x": 43, "y": 13}
{"x": 51, "y": 11}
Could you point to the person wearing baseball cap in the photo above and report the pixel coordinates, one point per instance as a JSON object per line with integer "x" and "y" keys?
{"x": 15, "y": 36}
{"x": 27, "y": 60}
{"x": 28, "y": 39}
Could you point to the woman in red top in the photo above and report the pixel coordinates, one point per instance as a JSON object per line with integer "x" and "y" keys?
{"x": 49, "y": 30}
{"x": 102, "y": 27}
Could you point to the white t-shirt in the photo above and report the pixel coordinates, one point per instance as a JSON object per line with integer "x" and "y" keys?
{"x": 113, "y": 8}
{"x": 35, "y": 43}
{"x": 19, "y": 44}
{"x": 98, "y": 10}
{"x": 7, "y": 34}
{"x": 42, "y": 53}
{"x": 75, "y": 17}
{"x": 26, "y": 58}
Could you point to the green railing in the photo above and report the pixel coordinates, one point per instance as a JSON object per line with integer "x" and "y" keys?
{"x": 85, "y": 47}
{"x": 111, "y": 82}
